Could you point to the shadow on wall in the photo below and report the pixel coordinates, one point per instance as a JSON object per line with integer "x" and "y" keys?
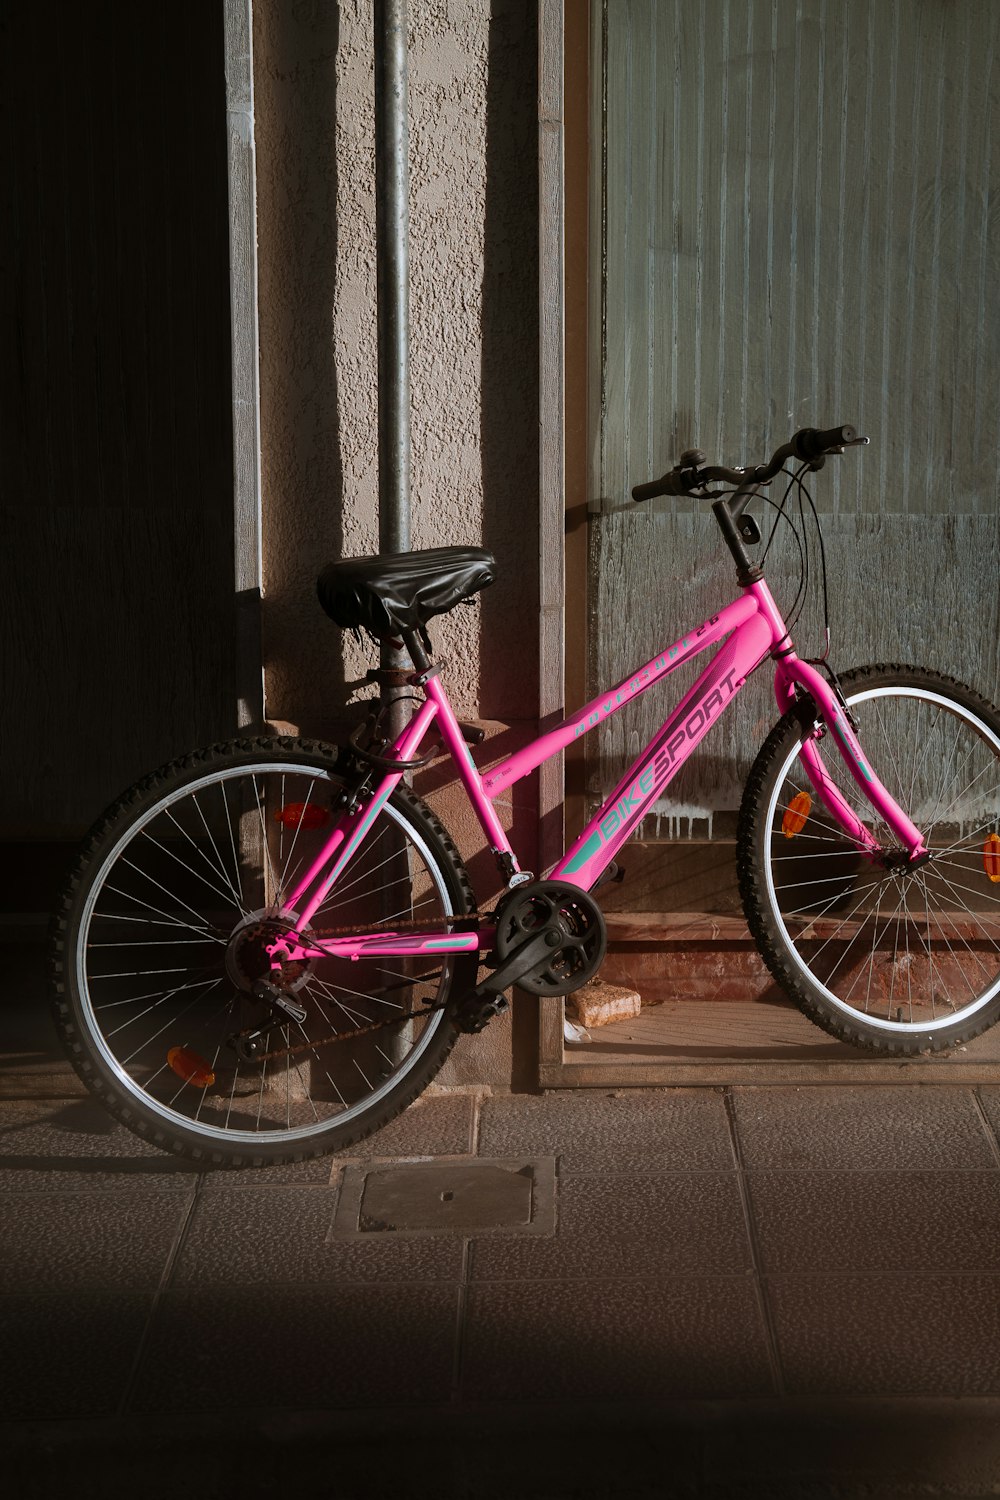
{"x": 303, "y": 478}
{"x": 297, "y": 187}
{"x": 508, "y": 629}
{"x": 509, "y": 422}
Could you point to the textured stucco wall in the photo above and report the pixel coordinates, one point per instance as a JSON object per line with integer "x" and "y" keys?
{"x": 474, "y": 369}
{"x": 473, "y": 318}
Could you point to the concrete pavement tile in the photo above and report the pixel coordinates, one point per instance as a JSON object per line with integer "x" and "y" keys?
{"x": 623, "y": 1340}
{"x": 989, "y": 1096}
{"x": 438, "y": 1125}
{"x": 938, "y": 1222}
{"x": 278, "y": 1235}
{"x": 346, "y": 1456}
{"x": 441, "y": 1125}
{"x": 316, "y": 1172}
{"x": 299, "y": 1348}
{"x": 58, "y": 1143}
{"x": 601, "y": 1456}
{"x": 58, "y": 1241}
{"x": 633, "y": 1131}
{"x": 880, "y": 1335}
{"x": 675, "y": 1223}
{"x": 68, "y": 1355}
{"x": 860, "y": 1128}
{"x": 854, "y": 1448}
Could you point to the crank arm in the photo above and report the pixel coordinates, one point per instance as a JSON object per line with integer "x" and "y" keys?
{"x": 487, "y": 1000}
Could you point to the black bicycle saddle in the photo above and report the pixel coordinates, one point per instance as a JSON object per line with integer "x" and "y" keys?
{"x": 389, "y": 594}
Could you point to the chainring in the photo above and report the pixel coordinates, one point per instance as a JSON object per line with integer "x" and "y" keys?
{"x": 580, "y": 938}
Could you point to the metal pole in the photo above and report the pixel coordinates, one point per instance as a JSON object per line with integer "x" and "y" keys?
{"x": 392, "y": 187}
{"x": 238, "y": 17}
{"x": 392, "y": 183}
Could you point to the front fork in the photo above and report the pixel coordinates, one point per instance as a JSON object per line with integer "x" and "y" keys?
{"x": 831, "y": 714}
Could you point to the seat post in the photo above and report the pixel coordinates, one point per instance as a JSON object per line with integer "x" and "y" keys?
{"x": 415, "y": 647}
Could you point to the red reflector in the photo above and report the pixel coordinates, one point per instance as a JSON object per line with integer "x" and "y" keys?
{"x": 796, "y": 814}
{"x": 189, "y": 1066}
{"x": 991, "y": 857}
{"x": 302, "y": 815}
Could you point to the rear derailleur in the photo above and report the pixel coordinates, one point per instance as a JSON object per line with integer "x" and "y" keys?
{"x": 249, "y": 1045}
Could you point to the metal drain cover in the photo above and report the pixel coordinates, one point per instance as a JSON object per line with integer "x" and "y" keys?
{"x": 467, "y": 1197}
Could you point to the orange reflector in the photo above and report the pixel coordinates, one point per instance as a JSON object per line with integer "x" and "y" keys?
{"x": 302, "y": 815}
{"x": 796, "y": 814}
{"x": 991, "y": 857}
{"x": 189, "y": 1066}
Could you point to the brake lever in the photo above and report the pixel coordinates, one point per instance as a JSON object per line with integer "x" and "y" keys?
{"x": 858, "y": 442}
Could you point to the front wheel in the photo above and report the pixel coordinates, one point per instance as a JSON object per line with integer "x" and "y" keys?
{"x": 160, "y": 947}
{"x": 890, "y": 958}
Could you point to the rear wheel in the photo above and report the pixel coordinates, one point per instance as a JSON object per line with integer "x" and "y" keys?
{"x": 882, "y": 955}
{"x": 161, "y": 939}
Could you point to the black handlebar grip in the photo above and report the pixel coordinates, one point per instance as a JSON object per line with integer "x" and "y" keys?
{"x": 669, "y": 484}
{"x": 650, "y": 491}
{"x": 810, "y": 444}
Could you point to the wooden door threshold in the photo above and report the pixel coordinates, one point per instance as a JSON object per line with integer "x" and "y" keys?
{"x": 713, "y": 1016}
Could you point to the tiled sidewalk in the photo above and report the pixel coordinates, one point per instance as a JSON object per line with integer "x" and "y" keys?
{"x": 756, "y": 1243}
{"x": 735, "y": 1280}
{"x": 709, "y": 1245}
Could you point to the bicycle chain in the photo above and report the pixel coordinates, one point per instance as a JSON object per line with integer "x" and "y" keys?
{"x": 408, "y": 925}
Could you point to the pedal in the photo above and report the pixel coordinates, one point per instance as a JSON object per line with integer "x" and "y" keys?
{"x": 476, "y": 1013}
{"x": 612, "y": 874}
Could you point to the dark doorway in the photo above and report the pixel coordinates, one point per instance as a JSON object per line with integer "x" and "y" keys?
{"x": 116, "y": 598}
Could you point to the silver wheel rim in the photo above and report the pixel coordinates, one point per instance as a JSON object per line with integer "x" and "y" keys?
{"x": 173, "y": 1119}
{"x": 869, "y": 1018}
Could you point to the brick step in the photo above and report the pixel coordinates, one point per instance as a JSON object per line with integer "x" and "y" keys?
{"x": 711, "y": 956}
{"x": 684, "y": 955}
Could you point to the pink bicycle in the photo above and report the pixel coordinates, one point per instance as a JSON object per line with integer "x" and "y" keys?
{"x": 267, "y": 948}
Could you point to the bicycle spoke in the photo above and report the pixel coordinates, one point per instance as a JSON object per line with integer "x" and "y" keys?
{"x": 827, "y": 905}
{"x": 966, "y": 838}
{"x": 821, "y": 854}
{"x": 974, "y": 956}
{"x": 357, "y": 1018}
{"x": 956, "y": 885}
{"x": 809, "y": 884}
{"x": 993, "y": 791}
{"x": 326, "y": 1074}
{"x": 172, "y": 1022}
{"x": 184, "y": 865}
{"x": 918, "y": 946}
{"x": 265, "y": 843}
{"x": 286, "y": 878}
{"x": 218, "y": 854}
{"x": 146, "y": 876}
{"x": 175, "y": 967}
{"x": 169, "y": 921}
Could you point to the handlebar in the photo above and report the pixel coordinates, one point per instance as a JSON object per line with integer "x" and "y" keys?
{"x": 810, "y": 446}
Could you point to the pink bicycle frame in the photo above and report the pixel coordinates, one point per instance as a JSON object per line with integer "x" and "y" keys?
{"x": 751, "y": 627}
